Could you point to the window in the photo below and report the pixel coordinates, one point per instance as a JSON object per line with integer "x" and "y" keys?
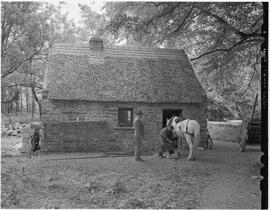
{"x": 125, "y": 117}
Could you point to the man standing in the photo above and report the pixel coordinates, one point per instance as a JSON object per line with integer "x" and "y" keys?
{"x": 166, "y": 141}
{"x": 138, "y": 134}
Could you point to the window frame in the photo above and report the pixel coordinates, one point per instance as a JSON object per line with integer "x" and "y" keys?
{"x": 119, "y": 124}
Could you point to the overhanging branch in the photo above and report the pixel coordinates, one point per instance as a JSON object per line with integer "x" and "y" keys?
{"x": 222, "y": 21}
{"x": 15, "y": 68}
{"x": 249, "y": 84}
{"x": 245, "y": 40}
{"x": 164, "y": 13}
{"x": 184, "y": 20}
{"x": 209, "y": 52}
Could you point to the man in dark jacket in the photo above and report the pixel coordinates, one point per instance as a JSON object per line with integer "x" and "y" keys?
{"x": 138, "y": 134}
{"x": 167, "y": 141}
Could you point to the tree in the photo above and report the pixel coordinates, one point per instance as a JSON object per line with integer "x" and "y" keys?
{"x": 29, "y": 29}
{"x": 222, "y": 39}
{"x": 93, "y": 24}
{"x": 23, "y": 35}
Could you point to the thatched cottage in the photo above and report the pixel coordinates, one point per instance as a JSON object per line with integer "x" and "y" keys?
{"x": 92, "y": 93}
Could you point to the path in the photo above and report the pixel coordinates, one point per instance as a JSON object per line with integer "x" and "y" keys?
{"x": 235, "y": 178}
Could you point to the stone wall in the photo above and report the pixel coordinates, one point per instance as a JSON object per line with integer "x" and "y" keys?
{"x": 57, "y": 112}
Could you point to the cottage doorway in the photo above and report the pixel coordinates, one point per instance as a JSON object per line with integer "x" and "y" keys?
{"x": 168, "y": 113}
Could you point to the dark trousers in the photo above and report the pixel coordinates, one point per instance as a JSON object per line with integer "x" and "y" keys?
{"x": 138, "y": 145}
{"x": 165, "y": 146}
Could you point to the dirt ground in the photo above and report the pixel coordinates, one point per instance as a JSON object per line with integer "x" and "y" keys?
{"x": 219, "y": 178}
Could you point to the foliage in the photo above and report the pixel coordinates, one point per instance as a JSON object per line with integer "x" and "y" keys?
{"x": 93, "y": 24}
{"x": 92, "y": 20}
{"x": 29, "y": 29}
{"x": 222, "y": 39}
{"x": 23, "y": 35}
{"x": 61, "y": 28}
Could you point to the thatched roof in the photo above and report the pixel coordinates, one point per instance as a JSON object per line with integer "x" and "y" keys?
{"x": 121, "y": 74}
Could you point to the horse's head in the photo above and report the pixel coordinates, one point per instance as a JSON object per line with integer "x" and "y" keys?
{"x": 171, "y": 121}
{"x": 179, "y": 119}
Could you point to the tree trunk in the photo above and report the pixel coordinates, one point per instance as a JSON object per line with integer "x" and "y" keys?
{"x": 2, "y": 107}
{"x": 21, "y": 96}
{"x": 33, "y": 105}
{"x": 39, "y": 103}
{"x": 17, "y": 106}
{"x": 11, "y": 106}
{"x": 27, "y": 100}
{"x": 254, "y": 107}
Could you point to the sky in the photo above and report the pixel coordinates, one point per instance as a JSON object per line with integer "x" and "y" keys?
{"x": 74, "y": 11}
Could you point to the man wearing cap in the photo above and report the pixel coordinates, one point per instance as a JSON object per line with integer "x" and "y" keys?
{"x": 138, "y": 134}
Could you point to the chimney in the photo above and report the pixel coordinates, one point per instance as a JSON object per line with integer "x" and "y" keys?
{"x": 96, "y": 44}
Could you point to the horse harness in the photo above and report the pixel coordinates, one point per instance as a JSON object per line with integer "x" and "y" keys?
{"x": 187, "y": 129}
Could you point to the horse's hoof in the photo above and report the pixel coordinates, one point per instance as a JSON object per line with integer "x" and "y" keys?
{"x": 191, "y": 158}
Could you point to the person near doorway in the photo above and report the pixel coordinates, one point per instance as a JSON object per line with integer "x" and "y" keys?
{"x": 138, "y": 134}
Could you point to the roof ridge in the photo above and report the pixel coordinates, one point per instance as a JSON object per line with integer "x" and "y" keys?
{"x": 117, "y": 47}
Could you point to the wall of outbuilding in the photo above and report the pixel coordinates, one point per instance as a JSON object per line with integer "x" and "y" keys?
{"x": 63, "y": 118}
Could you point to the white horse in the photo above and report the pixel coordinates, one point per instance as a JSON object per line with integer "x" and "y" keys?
{"x": 190, "y": 129}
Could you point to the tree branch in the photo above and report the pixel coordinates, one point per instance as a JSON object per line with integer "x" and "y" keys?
{"x": 255, "y": 23}
{"x": 249, "y": 84}
{"x": 156, "y": 4}
{"x": 209, "y": 52}
{"x": 245, "y": 40}
{"x": 183, "y": 22}
{"x": 164, "y": 13}
{"x": 222, "y": 21}
{"x": 254, "y": 68}
{"x": 39, "y": 103}
{"x": 34, "y": 94}
{"x": 15, "y": 68}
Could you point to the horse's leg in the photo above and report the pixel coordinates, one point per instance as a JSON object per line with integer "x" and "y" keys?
{"x": 191, "y": 148}
{"x": 179, "y": 147}
{"x": 196, "y": 140}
